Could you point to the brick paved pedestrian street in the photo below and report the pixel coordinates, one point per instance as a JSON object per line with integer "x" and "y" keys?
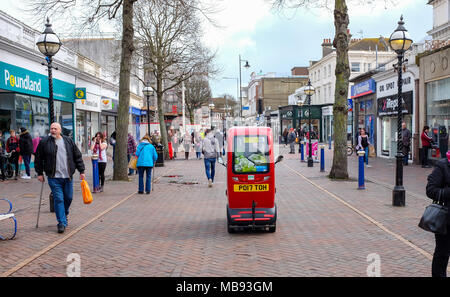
{"x": 324, "y": 227}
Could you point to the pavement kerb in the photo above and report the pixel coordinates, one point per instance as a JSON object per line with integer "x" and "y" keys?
{"x": 367, "y": 217}
{"x": 59, "y": 241}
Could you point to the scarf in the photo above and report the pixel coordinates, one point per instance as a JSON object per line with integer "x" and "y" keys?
{"x": 97, "y": 147}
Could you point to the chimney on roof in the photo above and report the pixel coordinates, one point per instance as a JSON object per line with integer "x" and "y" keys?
{"x": 327, "y": 47}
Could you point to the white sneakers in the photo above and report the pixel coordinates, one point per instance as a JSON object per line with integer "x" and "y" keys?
{"x": 25, "y": 176}
{"x": 210, "y": 183}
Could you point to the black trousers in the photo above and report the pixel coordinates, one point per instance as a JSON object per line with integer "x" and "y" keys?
{"x": 441, "y": 255}
{"x": 15, "y": 160}
{"x": 101, "y": 172}
{"x": 425, "y": 150}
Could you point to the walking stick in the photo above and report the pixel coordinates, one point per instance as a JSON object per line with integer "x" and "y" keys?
{"x": 40, "y": 199}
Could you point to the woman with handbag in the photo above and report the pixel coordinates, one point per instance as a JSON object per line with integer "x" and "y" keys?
{"x": 99, "y": 147}
{"x": 147, "y": 156}
{"x": 438, "y": 190}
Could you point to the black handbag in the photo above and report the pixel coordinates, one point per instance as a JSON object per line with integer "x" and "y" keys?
{"x": 434, "y": 219}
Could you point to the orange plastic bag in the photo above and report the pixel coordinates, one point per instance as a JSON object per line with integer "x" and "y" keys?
{"x": 86, "y": 192}
{"x": 133, "y": 163}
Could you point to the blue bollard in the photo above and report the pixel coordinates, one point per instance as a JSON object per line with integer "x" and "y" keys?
{"x": 322, "y": 158}
{"x": 302, "y": 152}
{"x": 361, "y": 185}
{"x": 96, "y": 179}
{"x": 329, "y": 142}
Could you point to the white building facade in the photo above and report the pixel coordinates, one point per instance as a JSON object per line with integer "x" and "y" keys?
{"x": 364, "y": 55}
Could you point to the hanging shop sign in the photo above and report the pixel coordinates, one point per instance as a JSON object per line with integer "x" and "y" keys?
{"x": 80, "y": 93}
{"x": 106, "y": 103}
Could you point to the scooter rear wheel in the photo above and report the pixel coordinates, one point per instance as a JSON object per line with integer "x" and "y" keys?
{"x": 9, "y": 171}
{"x": 273, "y": 229}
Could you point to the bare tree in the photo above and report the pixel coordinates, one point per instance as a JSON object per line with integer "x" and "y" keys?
{"x": 95, "y": 13}
{"x": 88, "y": 16}
{"x": 341, "y": 41}
{"x": 198, "y": 92}
{"x": 169, "y": 33}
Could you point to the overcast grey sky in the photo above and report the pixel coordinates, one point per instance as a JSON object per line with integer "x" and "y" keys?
{"x": 277, "y": 41}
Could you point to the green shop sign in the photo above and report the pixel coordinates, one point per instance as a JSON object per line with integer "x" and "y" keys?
{"x": 23, "y": 81}
{"x": 303, "y": 112}
{"x": 287, "y": 114}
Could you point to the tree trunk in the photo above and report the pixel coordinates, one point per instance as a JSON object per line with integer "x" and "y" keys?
{"x": 191, "y": 114}
{"x": 340, "y": 109}
{"x": 120, "y": 160}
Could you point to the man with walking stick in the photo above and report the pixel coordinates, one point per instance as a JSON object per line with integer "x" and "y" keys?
{"x": 58, "y": 156}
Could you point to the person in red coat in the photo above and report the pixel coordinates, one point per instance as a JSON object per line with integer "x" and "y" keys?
{"x": 426, "y": 145}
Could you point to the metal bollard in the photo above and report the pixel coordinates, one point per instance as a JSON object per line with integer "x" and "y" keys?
{"x": 95, "y": 175}
{"x": 302, "y": 151}
{"x": 361, "y": 185}
{"x": 329, "y": 143}
{"x": 322, "y": 158}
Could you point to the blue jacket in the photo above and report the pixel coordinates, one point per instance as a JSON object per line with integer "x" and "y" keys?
{"x": 146, "y": 154}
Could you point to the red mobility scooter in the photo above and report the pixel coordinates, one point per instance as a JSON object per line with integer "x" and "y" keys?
{"x": 251, "y": 179}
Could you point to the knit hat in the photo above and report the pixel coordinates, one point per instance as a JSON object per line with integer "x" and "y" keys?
{"x": 22, "y": 129}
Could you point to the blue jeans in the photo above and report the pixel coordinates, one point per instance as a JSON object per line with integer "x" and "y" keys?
{"x": 366, "y": 155}
{"x": 210, "y": 167}
{"x": 26, "y": 162}
{"x": 148, "y": 171}
{"x": 62, "y": 189}
{"x": 130, "y": 171}
{"x": 405, "y": 159}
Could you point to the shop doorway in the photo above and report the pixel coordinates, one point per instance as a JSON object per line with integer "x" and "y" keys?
{"x": 5, "y": 120}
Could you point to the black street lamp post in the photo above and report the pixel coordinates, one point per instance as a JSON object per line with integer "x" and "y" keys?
{"x": 211, "y": 107}
{"x": 400, "y": 42}
{"x": 309, "y": 91}
{"x": 148, "y": 91}
{"x": 49, "y": 44}
{"x": 240, "y": 81}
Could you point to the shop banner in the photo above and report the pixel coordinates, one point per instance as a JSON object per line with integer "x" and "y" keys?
{"x": 364, "y": 88}
{"x": 303, "y": 112}
{"x": 287, "y": 114}
{"x": 388, "y": 105}
{"x": 91, "y": 103}
{"x": 23, "y": 81}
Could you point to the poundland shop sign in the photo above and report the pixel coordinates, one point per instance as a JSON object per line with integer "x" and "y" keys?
{"x": 20, "y": 80}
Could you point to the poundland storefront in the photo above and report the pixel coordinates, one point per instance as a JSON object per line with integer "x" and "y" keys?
{"x": 24, "y": 101}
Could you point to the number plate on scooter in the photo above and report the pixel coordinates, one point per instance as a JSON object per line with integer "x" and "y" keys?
{"x": 252, "y": 188}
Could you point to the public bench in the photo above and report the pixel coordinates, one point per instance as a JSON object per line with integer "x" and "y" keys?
{"x": 6, "y": 216}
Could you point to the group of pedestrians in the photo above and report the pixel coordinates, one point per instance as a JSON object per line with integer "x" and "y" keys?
{"x": 22, "y": 145}
{"x": 194, "y": 141}
{"x": 291, "y": 137}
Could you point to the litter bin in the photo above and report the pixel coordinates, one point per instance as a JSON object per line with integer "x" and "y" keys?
{"x": 160, "y": 152}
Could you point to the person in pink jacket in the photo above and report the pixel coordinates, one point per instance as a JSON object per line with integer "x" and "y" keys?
{"x": 36, "y": 141}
